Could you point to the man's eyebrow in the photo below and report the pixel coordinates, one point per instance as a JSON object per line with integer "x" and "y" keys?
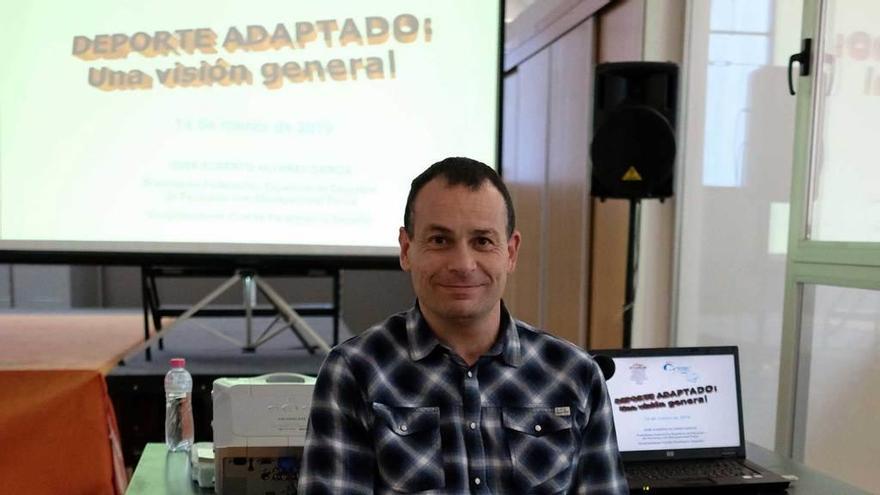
{"x": 438, "y": 228}
{"x": 485, "y": 232}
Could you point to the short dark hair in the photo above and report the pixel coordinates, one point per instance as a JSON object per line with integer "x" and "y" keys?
{"x": 459, "y": 171}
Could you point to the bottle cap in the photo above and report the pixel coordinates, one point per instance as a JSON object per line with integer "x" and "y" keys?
{"x": 177, "y": 362}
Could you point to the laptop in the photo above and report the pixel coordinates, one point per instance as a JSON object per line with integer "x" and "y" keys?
{"x": 678, "y": 415}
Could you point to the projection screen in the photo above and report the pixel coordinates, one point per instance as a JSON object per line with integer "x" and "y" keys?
{"x": 227, "y": 129}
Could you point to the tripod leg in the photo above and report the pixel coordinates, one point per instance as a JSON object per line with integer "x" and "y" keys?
{"x": 292, "y": 318}
{"x": 188, "y": 313}
{"x": 153, "y": 294}
{"x": 249, "y": 292}
{"x": 145, "y": 300}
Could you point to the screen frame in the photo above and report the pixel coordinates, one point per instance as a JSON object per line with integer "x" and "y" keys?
{"x": 680, "y": 454}
{"x": 253, "y": 256}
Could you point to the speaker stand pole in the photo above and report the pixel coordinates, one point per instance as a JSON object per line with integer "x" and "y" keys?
{"x": 632, "y": 270}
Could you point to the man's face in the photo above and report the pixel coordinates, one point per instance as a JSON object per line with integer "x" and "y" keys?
{"x": 459, "y": 255}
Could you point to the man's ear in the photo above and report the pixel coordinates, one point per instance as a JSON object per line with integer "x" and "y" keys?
{"x": 513, "y": 250}
{"x": 404, "y": 241}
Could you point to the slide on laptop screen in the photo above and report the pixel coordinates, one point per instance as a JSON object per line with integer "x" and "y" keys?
{"x": 678, "y": 418}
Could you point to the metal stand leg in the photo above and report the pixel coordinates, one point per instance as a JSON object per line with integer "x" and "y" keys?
{"x": 145, "y": 300}
{"x": 297, "y": 324}
{"x": 188, "y": 313}
{"x": 632, "y": 264}
{"x": 249, "y": 294}
{"x": 154, "y": 305}
{"x": 250, "y": 284}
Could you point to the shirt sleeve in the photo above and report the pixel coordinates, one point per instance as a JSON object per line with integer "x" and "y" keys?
{"x": 338, "y": 455}
{"x": 600, "y": 469}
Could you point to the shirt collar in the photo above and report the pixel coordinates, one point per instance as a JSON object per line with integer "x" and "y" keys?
{"x": 422, "y": 339}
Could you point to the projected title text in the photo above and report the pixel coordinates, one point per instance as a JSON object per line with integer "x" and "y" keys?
{"x": 369, "y": 32}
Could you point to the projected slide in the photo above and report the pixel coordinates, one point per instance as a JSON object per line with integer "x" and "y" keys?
{"x": 664, "y": 403}
{"x": 269, "y": 127}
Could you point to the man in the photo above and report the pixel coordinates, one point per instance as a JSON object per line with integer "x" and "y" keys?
{"x": 456, "y": 396}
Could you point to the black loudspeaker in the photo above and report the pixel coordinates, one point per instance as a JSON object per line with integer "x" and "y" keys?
{"x": 634, "y": 113}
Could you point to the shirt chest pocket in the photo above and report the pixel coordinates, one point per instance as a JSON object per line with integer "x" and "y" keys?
{"x": 542, "y": 448}
{"x": 408, "y": 450}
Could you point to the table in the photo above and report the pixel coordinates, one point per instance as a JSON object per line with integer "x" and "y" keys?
{"x": 58, "y": 429}
{"x": 160, "y": 472}
{"x": 809, "y": 482}
{"x": 58, "y": 434}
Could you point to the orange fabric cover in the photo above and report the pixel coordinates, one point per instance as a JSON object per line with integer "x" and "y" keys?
{"x": 68, "y": 341}
{"x": 58, "y": 434}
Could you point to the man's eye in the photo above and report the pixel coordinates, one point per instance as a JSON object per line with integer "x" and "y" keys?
{"x": 484, "y": 241}
{"x": 437, "y": 240}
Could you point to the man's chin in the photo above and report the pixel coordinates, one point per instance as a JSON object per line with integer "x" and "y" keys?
{"x": 466, "y": 311}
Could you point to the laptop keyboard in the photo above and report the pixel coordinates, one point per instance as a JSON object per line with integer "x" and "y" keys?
{"x": 723, "y": 468}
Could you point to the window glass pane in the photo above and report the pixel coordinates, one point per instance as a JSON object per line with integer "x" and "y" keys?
{"x": 736, "y": 15}
{"x": 845, "y": 198}
{"x": 734, "y": 201}
{"x": 735, "y": 63}
{"x": 734, "y": 57}
{"x": 844, "y": 374}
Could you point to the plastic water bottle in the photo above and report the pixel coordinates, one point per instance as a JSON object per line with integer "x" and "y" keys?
{"x": 178, "y": 407}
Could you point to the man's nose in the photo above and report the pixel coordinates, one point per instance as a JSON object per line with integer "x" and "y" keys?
{"x": 461, "y": 259}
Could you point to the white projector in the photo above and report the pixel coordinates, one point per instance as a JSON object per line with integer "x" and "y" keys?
{"x": 259, "y": 432}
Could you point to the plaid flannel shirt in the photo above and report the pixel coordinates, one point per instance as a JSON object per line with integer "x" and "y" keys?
{"x": 395, "y": 410}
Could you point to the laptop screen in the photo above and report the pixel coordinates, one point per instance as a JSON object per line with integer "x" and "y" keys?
{"x": 675, "y": 402}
